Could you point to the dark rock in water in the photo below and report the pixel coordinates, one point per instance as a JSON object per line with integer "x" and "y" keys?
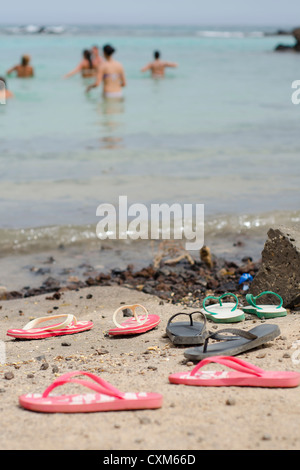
{"x": 280, "y": 268}
{"x": 51, "y": 283}
{"x": 295, "y": 47}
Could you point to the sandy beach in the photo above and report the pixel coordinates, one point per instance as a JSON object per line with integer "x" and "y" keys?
{"x": 191, "y": 418}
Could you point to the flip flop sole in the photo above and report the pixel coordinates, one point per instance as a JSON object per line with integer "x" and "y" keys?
{"x": 218, "y": 318}
{"x": 266, "y": 313}
{"x": 181, "y": 333}
{"x": 224, "y": 314}
{"x": 234, "y": 347}
{"x": 43, "y": 333}
{"x": 131, "y": 327}
{"x": 226, "y": 379}
{"x": 89, "y": 403}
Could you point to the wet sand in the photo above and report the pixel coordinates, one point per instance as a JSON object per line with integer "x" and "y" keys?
{"x": 191, "y": 418}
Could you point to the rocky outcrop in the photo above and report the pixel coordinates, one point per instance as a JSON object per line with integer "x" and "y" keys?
{"x": 295, "y": 47}
{"x": 280, "y": 268}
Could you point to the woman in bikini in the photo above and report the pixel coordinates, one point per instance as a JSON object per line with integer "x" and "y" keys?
{"x": 111, "y": 73}
{"x": 24, "y": 69}
{"x": 85, "y": 67}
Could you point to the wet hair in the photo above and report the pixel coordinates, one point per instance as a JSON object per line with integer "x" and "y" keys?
{"x": 88, "y": 56}
{"x": 25, "y": 60}
{"x": 2, "y": 80}
{"x": 108, "y": 50}
{"x": 156, "y": 54}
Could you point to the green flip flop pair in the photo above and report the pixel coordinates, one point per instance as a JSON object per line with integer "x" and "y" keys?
{"x": 228, "y": 312}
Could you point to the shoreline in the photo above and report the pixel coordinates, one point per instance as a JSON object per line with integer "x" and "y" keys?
{"x": 173, "y": 275}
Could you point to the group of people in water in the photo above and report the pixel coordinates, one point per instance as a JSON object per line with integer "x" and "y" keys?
{"x": 105, "y": 69}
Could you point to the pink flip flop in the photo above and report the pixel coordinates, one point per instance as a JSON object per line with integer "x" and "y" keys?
{"x": 136, "y": 324}
{"x": 67, "y": 327}
{"x": 246, "y": 375}
{"x": 106, "y": 398}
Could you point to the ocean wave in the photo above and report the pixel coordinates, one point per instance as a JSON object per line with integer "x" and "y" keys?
{"x": 134, "y": 31}
{"x": 34, "y": 29}
{"x": 216, "y": 228}
{"x": 230, "y": 34}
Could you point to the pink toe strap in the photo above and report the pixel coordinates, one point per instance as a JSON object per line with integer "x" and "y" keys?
{"x": 232, "y": 362}
{"x": 101, "y": 386}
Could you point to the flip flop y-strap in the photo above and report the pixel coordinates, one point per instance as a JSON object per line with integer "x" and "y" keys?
{"x": 101, "y": 386}
{"x": 133, "y": 310}
{"x": 252, "y": 299}
{"x": 219, "y": 336}
{"x": 227, "y": 294}
{"x": 203, "y": 331}
{"x": 68, "y": 320}
{"x": 232, "y": 363}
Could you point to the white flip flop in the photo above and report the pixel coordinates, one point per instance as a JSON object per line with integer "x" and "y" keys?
{"x": 223, "y": 312}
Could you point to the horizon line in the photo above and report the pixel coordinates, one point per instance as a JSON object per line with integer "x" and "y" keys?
{"x": 62, "y": 23}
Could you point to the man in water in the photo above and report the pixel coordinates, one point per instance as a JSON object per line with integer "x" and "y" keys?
{"x": 96, "y": 57}
{"x": 24, "y": 69}
{"x": 157, "y": 67}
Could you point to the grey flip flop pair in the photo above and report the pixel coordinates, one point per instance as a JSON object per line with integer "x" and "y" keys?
{"x": 232, "y": 341}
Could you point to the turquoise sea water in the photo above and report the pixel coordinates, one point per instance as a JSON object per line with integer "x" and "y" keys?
{"x": 219, "y": 130}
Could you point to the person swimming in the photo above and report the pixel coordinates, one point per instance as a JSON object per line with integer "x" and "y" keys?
{"x": 111, "y": 73}
{"x": 85, "y": 67}
{"x": 4, "y": 92}
{"x": 96, "y": 57}
{"x": 24, "y": 69}
{"x": 157, "y": 67}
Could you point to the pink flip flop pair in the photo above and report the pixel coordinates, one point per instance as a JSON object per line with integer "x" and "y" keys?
{"x": 109, "y": 398}
{"x": 244, "y": 375}
{"x": 134, "y": 325}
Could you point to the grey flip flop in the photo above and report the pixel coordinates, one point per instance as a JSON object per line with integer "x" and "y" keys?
{"x": 187, "y": 332}
{"x": 234, "y": 345}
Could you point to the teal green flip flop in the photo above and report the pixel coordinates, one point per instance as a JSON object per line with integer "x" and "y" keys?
{"x": 223, "y": 312}
{"x": 264, "y": 311}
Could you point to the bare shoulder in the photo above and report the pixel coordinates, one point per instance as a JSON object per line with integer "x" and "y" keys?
{"x": 118, "y": 65}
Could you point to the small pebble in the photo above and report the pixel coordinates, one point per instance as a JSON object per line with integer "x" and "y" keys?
{"x": 261, "y": 355}
{"x": 8, "y": 375}
{"x": 230, "y": 401}
{"x": 145, "y": 420}
{"x": 41, "y": 358}
{"x": 44, "y": 366}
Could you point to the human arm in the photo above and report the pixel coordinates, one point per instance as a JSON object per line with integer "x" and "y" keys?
{"x": 74, "y": 71}
{"x": 11, "y": 70}
{"x": 99, "y": 79}
{"x": 123, "y": 78}
{"x": 170, "y": 64}
{"x": 146, "y": 68}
